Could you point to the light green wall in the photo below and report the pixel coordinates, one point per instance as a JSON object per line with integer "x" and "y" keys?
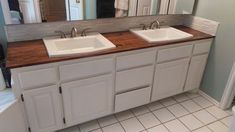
{"x": 3, "y": 38}
{"x": 90, "y": 9}
{"x": 184, "y": 6}
{"x": 222, "y": 54}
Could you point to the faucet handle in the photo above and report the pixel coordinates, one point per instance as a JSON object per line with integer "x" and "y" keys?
{"x": 84, "y": 31}
{"x": 62, "y": 34}
{"x": 144, "y": 27}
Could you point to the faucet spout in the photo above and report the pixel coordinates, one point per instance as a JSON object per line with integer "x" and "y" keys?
{"x": 74, "y": 32}
{"x": 155, "y": 24}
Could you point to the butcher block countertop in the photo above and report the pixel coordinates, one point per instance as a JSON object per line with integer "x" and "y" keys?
{"x": 29, "y": 53}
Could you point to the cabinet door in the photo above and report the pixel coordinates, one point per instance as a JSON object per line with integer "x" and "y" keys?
{"x": 169, "y": 78}
{"x": 88, "y": 99}
{"x": 43, "y": 107}
{"x": 195, "y": 73}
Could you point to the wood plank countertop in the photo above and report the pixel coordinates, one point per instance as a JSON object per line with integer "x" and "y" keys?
{"x": 28, "y": 53}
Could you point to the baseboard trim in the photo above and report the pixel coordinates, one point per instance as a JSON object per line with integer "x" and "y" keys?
{"x": 212, "y": 100}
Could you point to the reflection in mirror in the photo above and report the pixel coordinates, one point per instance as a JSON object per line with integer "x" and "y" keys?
{"x": 181, "y": 6}
{"x": 38, "y": 11}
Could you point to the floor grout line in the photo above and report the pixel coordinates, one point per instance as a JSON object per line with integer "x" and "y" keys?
{"x": 158, "y": 120}
{"x": 139, "y": 121}
{"x": 176, "y": 118}
{"x": 133, "y": 115}
{"x": 120, "y": 122}
{"x": 99, "y": 125}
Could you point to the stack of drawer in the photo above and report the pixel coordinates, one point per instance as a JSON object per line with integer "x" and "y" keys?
{"x": 134, "y": 78}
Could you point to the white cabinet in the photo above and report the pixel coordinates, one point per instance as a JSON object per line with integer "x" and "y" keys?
{"x": 202, "y": 46}
{"x": 96, "y": 87}
{"x": 132, "y": 99}
{"x": 169, "y": 78}
{"x": 80, "y": 70}
{"x": 43, "y": 108}
{"x": 88, "y": 99}
{"x": 35, "y": 78}
{"x": 175, "y": 53}
{"x": 134, "y": 78}
{"x": 195, "y": 72}
{"x": 134, "y": 60}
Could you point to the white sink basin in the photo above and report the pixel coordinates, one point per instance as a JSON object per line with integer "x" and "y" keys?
{"x": 57, "y": 47}
{"x": 164, "y": 34}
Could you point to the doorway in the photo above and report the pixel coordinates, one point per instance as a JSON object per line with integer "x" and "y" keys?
{"x": 74, "y": 10}
{"x": 229, "y": 92}
{"x": 53, "y": 10}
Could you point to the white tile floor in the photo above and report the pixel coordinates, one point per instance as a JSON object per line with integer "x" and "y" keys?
{"x": 182, "y": 113}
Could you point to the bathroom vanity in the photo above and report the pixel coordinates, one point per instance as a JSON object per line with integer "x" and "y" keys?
{"x": 64, "y": 91}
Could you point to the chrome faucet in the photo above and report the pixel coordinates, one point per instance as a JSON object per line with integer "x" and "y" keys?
{"x": 74, "y": 32}
{"x": 84, "y": 32}
{"x": 62, "y": 34}
{"x": 155, "y": 24}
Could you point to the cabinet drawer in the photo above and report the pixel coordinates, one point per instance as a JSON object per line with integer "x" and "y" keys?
{"x": 202, "y": 47}
{"x": 85, "y": 69}
{"x": 135, "y": 78}
{"x": 135, "y": 60}
{"x": 38, "y": 78}
{"x": 132, "y": 99}
{"x": 174, "y": 53}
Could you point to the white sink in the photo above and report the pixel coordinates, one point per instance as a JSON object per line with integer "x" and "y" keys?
{"x": 164, "y": 34}
{"x": 57, "y": 47}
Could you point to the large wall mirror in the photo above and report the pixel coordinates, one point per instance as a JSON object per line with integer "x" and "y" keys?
{"x": 39, "y": 11}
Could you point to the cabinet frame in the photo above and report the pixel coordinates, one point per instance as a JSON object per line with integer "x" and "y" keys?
{"x": 18, "y": 90}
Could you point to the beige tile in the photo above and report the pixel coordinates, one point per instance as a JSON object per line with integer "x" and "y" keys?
{"x": 159, "y": 128}
{"x": 124, "y": 115}
{"x": 155, "y": 106}
{"x": 89, "y": 126}
{"x": 191, "y": 122}
{"x": 113, "y": 128}
{"x": 148, "y": 120}
{"x": 132, "y": 125}
{"x": 218, "y": 127}
{"x": 108, "y": 120}
{"x": 204, "y": 116}
{"x": 181, "y": 97}
{"x": 217, "y": 112}
{"x": 191, "y": 106}
{"x": 178, "y": 110}
{"x": 168, "y": 101}
{"x": 164, "y": 115}
{"x": 176, "y": 126}
{"x": 204, "y": 103}
{"x": 140, "y": 110}
{"x": 203, "y": 129}
{"x": 227, "y": 121}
